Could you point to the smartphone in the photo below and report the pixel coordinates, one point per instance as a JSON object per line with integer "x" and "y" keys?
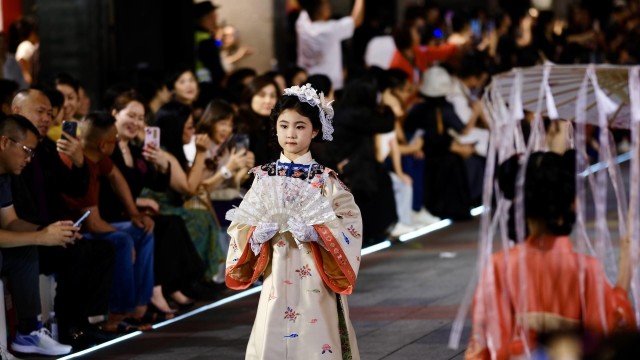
{"x": 82, "y": 218}
{"x": 70, "y": 127}
{"x": 152, "y": 136}
{"x": 241, "y": 141}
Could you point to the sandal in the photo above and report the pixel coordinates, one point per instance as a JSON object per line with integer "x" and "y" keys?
{"x": 123, "y": 327}
{"x": 141, "y": 324}
{"x": 154, "y": 315}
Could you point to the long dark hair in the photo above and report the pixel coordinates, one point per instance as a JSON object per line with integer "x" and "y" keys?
{"x": 171, "y": 118}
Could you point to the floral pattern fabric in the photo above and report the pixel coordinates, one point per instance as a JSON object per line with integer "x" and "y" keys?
{"x": 303, "y": 311}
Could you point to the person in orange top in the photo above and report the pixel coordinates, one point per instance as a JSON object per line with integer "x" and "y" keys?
{"x": 543, "y": 285}
{"x": 414, "y": 59}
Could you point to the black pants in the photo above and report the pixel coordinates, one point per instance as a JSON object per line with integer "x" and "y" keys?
{"x": 176, "y": 261}
{"x": 20, "y": 265}
{"x": 83, "y": 273}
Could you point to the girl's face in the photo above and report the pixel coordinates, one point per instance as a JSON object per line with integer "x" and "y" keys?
{"x": 295, "y": 133}
{"x": 264, "y": 100}
{"x": 188, "y": 131}
{"x": 186, "y": 88}
{"x": 221, "y": 130}
{"x": 70, "y": 100}
{"x": 129, "y": 120}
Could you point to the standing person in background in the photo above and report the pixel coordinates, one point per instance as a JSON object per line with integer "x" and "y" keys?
{"x": 28, "y": 47}
{"x": 319, "y": 38}
{"x": 208, "y": 63}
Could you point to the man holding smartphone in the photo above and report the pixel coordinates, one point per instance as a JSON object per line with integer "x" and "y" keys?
{"x": 18, "y": 139}
{"x": 83, "y": 269}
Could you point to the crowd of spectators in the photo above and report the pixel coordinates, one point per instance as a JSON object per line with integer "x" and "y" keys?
{"x": 410, "y": 142}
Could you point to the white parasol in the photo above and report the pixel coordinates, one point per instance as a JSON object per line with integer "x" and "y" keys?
{"x": 564, "y": 83}
{"x": 602, "y": 95}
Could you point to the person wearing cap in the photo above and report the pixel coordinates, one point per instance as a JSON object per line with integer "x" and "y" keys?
{"x": 452, "y": 169}
{"x": 208, "y": 65}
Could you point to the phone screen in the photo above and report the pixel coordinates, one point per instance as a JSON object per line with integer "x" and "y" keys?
{"x": 70, "y": 127}
{"x": 152, "y": 136}
{"x": 241, "y": 141}
{"x": 82, "y": 218}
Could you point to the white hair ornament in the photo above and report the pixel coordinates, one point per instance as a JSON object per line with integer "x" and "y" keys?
{"x": 308, "y": 94}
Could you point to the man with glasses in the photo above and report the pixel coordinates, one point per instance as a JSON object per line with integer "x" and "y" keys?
{"x": 84, "y": 269}
{"x": 18, "y": 139}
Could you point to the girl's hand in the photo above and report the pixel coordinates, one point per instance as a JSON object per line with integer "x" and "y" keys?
{"x": 148, "y": 204}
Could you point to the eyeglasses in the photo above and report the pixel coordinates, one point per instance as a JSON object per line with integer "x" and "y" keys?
{"x": 28, "y": 152}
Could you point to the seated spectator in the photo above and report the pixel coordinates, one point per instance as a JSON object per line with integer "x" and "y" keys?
{"x": 18, "y": 140}
{"x": 258, "y": 99}
{"x": 176, "y": 128}
{"x": 133, "y": 240}
{"x": 69, "y": 87}
{"x": 176, "y": 262}
{"x": 228, "y": 162}
{"x": 83, "y": 270}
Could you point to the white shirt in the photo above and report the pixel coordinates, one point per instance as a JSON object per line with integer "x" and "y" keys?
{"x": 460, "y": 97}
{"x": 380, "y": 51}
{"x": 25, "y": 50}
{"x": 319, "y": 46}
{"x": 190, "y": 150}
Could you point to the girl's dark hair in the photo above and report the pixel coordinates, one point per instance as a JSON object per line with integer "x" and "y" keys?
{"x": 171, "y": 118}
{"x": 217, "y": 110}
{"x": 549, "y": 188}
{"x": 320, "y": 82}
{"x": 288, "y": 102}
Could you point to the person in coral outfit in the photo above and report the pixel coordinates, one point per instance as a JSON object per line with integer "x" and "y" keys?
{"x": 543, "y": 285}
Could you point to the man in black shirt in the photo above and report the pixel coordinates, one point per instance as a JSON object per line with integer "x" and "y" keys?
{"x": 18, "y": 139}
{"x": 83, "y": 270}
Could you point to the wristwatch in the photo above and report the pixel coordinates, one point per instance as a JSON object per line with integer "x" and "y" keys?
{"x": 225, "y": 172}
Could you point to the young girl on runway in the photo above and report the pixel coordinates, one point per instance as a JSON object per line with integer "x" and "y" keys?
{"x": 298, "y": 227}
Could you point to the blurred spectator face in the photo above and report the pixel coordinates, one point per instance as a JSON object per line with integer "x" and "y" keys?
{"x": 186, "y": 88}
{"x": 108, "y": 142}
{"x": 129, "y": 120}
{"x": 188, "y": 131}
{"x": 404, "y": 92}
{"x": 221, "y": 130}
{"x": 70, "y": 105}
{"x": 299, "y": 78}
{"x": 228, "y": 37}
{"x": 324, "y": 10}
{"x": 264, "y": 100}
{"x": 16, "y": 153}
{"x": 37, "y": 108}
{"x": 84, "y": 103}
{"x": 163, "y": 94}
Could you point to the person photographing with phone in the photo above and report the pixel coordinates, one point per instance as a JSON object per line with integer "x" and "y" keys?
{"x": 132, "y": 240}
{"x": 83, "y": 269}
{"x": 228, "y": 161}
